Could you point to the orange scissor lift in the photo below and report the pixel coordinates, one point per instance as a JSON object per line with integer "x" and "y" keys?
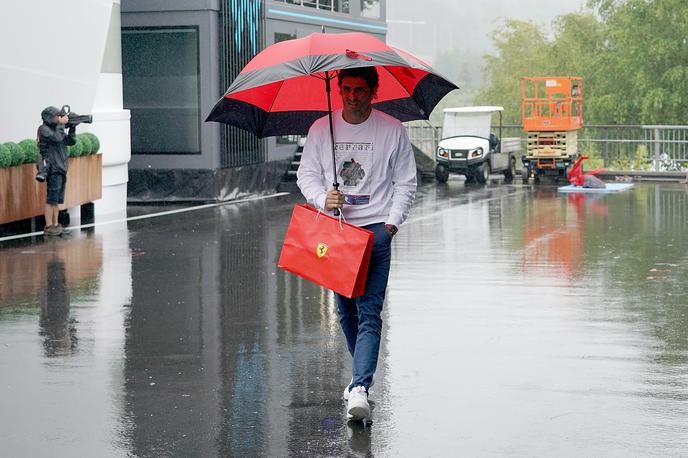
{"x": 551, "y": 114}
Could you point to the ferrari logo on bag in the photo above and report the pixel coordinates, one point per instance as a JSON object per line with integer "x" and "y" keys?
{"x": 321, "y": 250}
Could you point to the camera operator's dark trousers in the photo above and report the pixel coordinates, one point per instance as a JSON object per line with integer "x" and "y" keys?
{"x": 56, "y": 188}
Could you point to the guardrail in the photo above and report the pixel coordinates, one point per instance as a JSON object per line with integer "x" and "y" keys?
{"x": 618, "y": 147}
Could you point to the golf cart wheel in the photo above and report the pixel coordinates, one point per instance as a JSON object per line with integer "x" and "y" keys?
{"x": 510, "y": 171}
{"x": 441, "y": 173}
{"x": 483, "y": 173}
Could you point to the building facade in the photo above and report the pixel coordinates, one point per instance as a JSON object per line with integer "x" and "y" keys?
{"x": 179, "y": 57}
{"x": 39, "y": 67}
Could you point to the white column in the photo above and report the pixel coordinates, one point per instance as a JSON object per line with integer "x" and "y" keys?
{"x": 111, "y": 125}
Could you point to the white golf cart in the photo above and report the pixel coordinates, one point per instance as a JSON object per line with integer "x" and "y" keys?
{"x": 469, "y": 147}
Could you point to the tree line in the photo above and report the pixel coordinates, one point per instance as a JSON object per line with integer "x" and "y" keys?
{"x": 631, "y": 54}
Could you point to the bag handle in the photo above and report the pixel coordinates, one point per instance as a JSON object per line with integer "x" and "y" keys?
{"x": 340, "y": 218}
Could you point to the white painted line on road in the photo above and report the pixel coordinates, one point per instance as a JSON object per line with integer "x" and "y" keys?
{"x": 151, "y": 215}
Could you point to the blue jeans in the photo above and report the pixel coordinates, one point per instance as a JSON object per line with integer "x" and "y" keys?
{"x": 360, "y": 317}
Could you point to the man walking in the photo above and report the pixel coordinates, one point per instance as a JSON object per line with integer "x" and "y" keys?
{"x": 375, "y": 163}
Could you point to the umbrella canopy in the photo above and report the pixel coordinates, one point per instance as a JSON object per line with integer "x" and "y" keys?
{"x": 281, "y": 90}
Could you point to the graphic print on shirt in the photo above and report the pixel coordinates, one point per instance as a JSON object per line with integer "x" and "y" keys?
{"x": 354, "y": 162}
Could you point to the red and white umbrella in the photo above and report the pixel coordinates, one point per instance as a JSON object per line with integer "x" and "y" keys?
{"x": 285, "y": 87}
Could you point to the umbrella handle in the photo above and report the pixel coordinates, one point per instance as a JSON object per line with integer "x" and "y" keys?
{"x": 329, "y": 114}
{"x": 336, "y": 188}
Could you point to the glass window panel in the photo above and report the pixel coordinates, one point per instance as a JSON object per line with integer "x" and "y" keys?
{"x": 279, "y": 36}
{"x": 370, "y": 8}
{"x": 160, "y": 73}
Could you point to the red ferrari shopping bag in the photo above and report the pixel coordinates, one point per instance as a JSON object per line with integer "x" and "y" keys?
{"x": 326, "y": 251}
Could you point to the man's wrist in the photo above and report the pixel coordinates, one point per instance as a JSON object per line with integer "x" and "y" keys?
{"x": 392, "y": 229}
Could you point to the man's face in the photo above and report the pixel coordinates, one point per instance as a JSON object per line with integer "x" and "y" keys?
{"x": 356, "y": 95}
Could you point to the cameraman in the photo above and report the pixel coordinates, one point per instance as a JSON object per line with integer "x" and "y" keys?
{"x": 52, "y": 143}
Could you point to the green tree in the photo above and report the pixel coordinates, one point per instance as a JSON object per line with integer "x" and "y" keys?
{"x": 521, "y": 50}
{"x": 524, "y": 50}
{"x": 632, "y": 56}
{"x": 646, "y": 61}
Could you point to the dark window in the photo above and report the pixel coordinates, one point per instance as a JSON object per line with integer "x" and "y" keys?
{"x": 160, "y": 73}
{"x": 284, "y": 37}
{"x": 341, "y": 6}
{"x": 370, "y": 8}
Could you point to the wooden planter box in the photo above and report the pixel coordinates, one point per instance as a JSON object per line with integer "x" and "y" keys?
{"x": 22, "y": 197}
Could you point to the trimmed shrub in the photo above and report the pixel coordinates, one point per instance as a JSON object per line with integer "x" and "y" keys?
{"x": 5, "y": 157}
{"x": 76, "y": 149}
{"x": 16, "y": 153}
{"x": 26, "y": 152}
{"x": 94, "y": 142}
{"x": 86, "y": 142}
{"x": 30, "y": 149}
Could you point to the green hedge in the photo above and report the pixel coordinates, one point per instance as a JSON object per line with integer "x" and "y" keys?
{"x": 30, "y": 149}
{"x": 26, "y": 151}
{"x": 77, "y": 149}
{"x": 16, "y": 153}
{"x": 5, "y": 157}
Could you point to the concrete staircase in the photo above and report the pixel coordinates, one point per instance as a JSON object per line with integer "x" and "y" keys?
{"x": 288, "y": 183}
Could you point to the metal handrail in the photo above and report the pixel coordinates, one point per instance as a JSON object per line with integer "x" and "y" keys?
{"x": 659, "y": 147}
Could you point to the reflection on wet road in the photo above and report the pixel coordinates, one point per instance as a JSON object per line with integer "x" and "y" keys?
{"x": 518, "y": 322}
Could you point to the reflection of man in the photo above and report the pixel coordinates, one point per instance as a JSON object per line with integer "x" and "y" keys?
{"x": 56, "y": 327}
{"x": 52, "y": 143}
{"x": 378, "y": 173}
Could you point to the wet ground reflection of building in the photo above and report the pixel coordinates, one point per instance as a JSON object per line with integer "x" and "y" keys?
{"x": 58, "y": 288}
{"x": 225, "y": 354}
{"x": 221, "y": 354}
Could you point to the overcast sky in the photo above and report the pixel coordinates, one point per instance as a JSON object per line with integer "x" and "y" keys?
{"x": 424, "y": 27}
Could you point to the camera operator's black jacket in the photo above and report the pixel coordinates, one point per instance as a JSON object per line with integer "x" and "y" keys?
{"x": 53, "y": 142}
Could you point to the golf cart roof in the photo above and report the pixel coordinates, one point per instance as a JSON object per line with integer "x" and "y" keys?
{"x": 467, "y": 121}
{"x": 481, "y": 109}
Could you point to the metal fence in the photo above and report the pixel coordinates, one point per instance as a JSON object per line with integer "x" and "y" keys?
{"x": 618, "y": 147}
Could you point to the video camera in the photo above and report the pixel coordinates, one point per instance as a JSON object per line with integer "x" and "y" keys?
{"x": 75, "y": 119}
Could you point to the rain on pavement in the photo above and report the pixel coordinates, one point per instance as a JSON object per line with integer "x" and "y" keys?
{"x": 518, "y": 322}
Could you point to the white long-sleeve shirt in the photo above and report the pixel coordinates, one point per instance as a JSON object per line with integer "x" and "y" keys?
{"x": 376, "y": 168}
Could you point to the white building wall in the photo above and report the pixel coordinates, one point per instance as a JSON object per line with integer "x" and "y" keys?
{"x": 52, "y": 54}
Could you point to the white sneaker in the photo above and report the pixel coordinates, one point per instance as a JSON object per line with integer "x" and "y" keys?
{"x": 346, "y": 390}
{"x": 358, "y": 407}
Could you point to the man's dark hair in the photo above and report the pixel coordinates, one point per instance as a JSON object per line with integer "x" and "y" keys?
{"x": 367, "y": 73}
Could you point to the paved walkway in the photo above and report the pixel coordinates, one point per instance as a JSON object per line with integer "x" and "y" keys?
{"x": 519, "y": 322}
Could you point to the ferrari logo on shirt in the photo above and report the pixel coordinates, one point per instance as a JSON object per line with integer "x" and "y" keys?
{"x": 321, "y": 250}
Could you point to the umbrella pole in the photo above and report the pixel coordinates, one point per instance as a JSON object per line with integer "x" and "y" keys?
{"x": 329, "y": 114}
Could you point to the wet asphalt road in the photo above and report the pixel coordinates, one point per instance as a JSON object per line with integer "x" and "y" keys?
{"x": 518, "y": 322}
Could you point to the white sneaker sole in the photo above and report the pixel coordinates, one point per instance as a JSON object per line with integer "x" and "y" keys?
{"x": 359, "y": 411}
